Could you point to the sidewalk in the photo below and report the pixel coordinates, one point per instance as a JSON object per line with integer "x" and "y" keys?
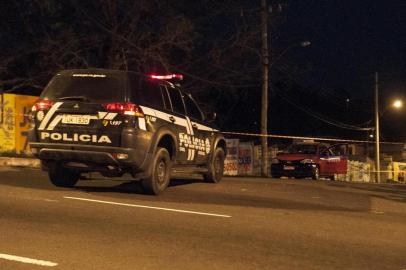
{"x": 20, "y": 162}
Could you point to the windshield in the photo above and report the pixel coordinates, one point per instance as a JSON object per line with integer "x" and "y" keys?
{"x": 302, "y": 149}
{"x": 97, "y": 89}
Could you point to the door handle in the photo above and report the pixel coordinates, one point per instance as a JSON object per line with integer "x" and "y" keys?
{"x": 172, "y": 119}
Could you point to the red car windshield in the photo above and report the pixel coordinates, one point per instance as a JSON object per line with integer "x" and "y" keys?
{"x": 302, "y": 149}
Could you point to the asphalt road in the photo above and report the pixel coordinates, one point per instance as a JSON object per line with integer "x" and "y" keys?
{"x": 241, "y": 223}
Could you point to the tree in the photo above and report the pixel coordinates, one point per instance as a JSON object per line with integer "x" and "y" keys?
{"x": 214, "y": 44}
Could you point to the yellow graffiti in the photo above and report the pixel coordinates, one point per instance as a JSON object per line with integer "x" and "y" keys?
{"x": 15, "y": 122}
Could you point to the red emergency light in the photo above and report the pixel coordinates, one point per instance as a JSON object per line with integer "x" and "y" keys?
{"x": 42, "y": 104}
{"x": 166, "y": 77}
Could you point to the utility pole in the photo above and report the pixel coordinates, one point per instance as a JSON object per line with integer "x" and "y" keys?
{"x": 377, "y": 152}
{"x": 265, "y": 86}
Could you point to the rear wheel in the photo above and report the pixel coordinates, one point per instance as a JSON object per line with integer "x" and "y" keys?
{"x": 62, "y": 177}
{"x": 160, "y": 175}
{"x": 216, "y": 167}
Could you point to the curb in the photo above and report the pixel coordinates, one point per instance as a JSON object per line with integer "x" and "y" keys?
{"x": 20, "y": 162}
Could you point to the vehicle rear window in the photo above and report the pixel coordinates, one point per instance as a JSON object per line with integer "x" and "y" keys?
{"x": 97, "y": 89}
{"x": 150, "y": 94}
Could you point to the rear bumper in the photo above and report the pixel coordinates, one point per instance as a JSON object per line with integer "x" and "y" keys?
{"x": 302, "y": 170}
{"x": 97, "y": 158}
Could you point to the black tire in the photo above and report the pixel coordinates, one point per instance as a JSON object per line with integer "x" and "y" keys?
{"x": 275, "y": 176}
{"x": 216, "y": 167}
{"x": 160, "y": 174}
{"x": 62, "y": 177}
{"x": 316, "y": 174}
{"x": 333, "y": 177}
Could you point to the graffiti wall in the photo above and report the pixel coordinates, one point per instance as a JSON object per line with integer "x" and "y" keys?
{"x": 7, "y": 122}
{"x": 231, "y": 162}
{"x": 14, "y": 122}
{"x": 245, "y": 158}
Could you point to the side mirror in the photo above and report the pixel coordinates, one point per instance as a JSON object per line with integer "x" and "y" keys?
{"x": 211, "y": 117}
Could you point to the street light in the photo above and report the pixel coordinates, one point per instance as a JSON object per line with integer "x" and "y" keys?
{"x": 396, "y": 104}
{"x": 303, "y": 44}
{"x": 265, "y": 87}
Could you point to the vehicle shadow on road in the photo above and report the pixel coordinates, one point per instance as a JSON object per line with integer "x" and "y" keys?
{"x": 130, "y": 187}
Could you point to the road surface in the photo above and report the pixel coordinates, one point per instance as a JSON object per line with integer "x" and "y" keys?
{"x": 240, "y": 223}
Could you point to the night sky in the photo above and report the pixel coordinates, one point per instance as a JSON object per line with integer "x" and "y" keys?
{"x": 334, "y": 77}
{"x": 350, "y": 41}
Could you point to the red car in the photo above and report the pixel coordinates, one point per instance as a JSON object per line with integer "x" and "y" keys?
{"x": 313, "y": 160}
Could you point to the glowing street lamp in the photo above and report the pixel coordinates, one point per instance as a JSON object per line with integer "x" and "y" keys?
{"x": 397, "y": 104}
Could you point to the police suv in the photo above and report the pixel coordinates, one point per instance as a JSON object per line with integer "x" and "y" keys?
{"x": 117, "y": 122}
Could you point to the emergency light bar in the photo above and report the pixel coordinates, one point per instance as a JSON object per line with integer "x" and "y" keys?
{"x": 167, "y": 77}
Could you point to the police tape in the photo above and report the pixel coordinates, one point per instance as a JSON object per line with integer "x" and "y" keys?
{"x": 262, "y": 135}
{"x": 305, "y": 138}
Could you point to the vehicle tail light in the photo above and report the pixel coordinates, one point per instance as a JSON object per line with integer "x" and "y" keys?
{"x": 42, "y": 104}
{"x": 125, "y": 108}
{"x": 167, "y": 77}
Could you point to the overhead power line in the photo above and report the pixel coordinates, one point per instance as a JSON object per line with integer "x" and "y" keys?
{"x": 323, "y": 118}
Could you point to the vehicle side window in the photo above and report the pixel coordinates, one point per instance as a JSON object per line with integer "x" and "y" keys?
{"x": 165, "y": 97}
{"x": 176, "y": 100}
{"x": 151, "y": 95}
{"x": 192, "y": 109}
{"x": 323, "y": 151}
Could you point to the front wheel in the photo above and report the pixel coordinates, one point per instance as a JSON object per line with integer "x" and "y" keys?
{"x": 62, "y": 177}
{"x": 160, "y": 175}
{"x": 216, "y": 167}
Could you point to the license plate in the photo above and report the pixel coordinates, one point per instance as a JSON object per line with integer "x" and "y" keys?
{"x": 288, "y": 168}
{"x": 76, "y": 119}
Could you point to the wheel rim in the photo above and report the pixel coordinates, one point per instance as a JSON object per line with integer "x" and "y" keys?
{"x": 161, "y": 172}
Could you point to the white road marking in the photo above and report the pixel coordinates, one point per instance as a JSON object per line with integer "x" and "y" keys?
{"x": 27, "y": 260}
{"x": 149, "y": 207}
